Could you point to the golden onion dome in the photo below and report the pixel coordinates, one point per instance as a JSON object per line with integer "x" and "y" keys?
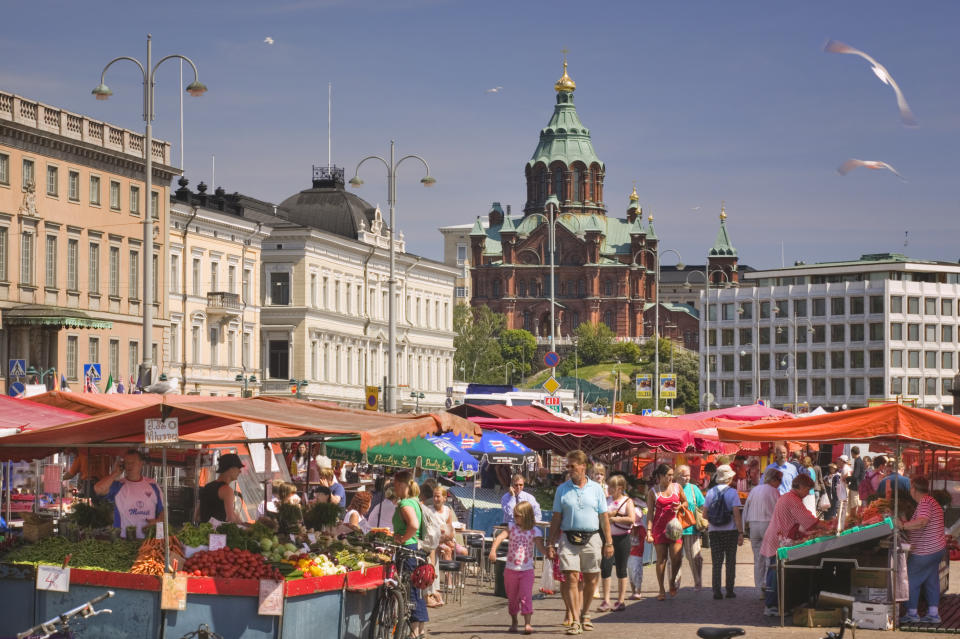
{"x": 723, "y": 212}
{"x": 565, "y": 84}
{"x": 633, "y": 196}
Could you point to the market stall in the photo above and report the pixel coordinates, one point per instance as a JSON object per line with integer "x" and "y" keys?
{"x": 894, "y": 424}
{"x": 262, "y": 583}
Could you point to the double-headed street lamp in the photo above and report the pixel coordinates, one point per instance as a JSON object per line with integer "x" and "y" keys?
{"x": 552, "y": 207}
{"x": 102, "y": 92}
{"x": 296, "y": 385}
{"x": 242, "y": 379}
{"x": 392, "y": 165}
{"x": 508, "y": 366}
{"x": 416, "y": 396}
{"x": 656, "y": 312}
{"x": 705, "y": 311}
{"x": 39, "y": 374}
{"x": 779, "y": 330}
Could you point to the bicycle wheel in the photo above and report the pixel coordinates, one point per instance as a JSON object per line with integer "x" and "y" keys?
{"x": 386, "y": 617}
{"x": 401, "y": 603}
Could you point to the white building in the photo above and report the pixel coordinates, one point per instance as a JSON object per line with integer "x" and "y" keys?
{"x": 880, "y": 328}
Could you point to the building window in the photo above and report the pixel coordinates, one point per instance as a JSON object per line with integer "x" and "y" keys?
{"x": 913, "y": 332}
{"x": 896, "y": 359}
{"x": 876, "y": 386}
{"x": 461, "y": 292}
{"x": 896, "y": 385}
{"x": 856, "y": 386}
{"x": 930, "y": 386}
{"x": 947, "y": 385}
{"x": 195, "y": 344}
{"x": 4, "y": 169}
{"x": 819, "y": 307}
{"x": 764, "y": 362}
{"x": 195, "y": 276}
{"x": 73, "y": 256}
{"x": 155, "y": 205}
{"x": 214, "y": 276}
{"x": 896, "y": 303}
{"x": 930, "y": 305}
{"x": 838, "y": 386}
{"x": 95, "y": 190}
{"x": 896, "y": 331}
{"x": 279, "y": 363}
{"x": 93, "y": 268}
{"x": 135, "y": 200}
{"x": 174, "y": 274}
{"x": 726, "y": 337}
{"x": 876, "y": 304}
{"x": 781, "y": 362}
{"x": 461, "y": 254}
{"x": 819, "y": 387}
{"x": 726, "y": 388}
{"x": 51, "y": 257}
{"x": 819, "y": 334}
{"x": 856, "y": 359}
{"x": 231, "y": 347}
{"x": 73, "y": 186}
{"x": 876, "y": 332}
{"x": 746, "y": 336}
{"x": 53, "y": 181}
{"x": 214, "y": 346}
{"x": 876, "y": 359}
{"x": 27, "y": 178}
{"x": 608, "y": 320}
{"x": 819, "y": 361}
{"x": 279, "y": 289}
{"x": 113, "y": 271}
{"x": 837, "y": 360}
{"x": 174, "y": 342}
{"x": 946, "y": 307}
{"x": 838, "y": 333}
{"x": 114, "y": 195}
{"x": 837, "y": 306}
{"x": 801, "y": 361}
{"x": 726, "y": 311}
{"x": 71, "y": 371}
{"x": 113, "y": 360}
{"x": 913, "y": 359}
{"x": 246, "y": 286}
{"x": 26, "y": 258}
{"x": 232, "y": 279}
{"x": 134, "y": 276}
{"x": 856, "y": 306}
{"x": 856, "y": 332}
{"x": 133, "y": 360}
{"x": 764, "y": 335}
{"x": 746, "y": 310}
{"x": 93, "y": 350}
{"x": 946, "y": 333}
{"x": 780, "y": 388}
{"x": 245, "y": 348}
{"x": 913, "y": 305}
{"x": 746, "y": 362}
{"x": 913, "y": 386}
{"x": 710, "y": 338}
{"x": 799, "y": 308}
{"x": 155, "y": 279}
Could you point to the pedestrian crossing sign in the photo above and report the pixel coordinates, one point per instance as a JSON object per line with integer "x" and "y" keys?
{"x": 91, "y": 372}
{"x": 18, "y": 368}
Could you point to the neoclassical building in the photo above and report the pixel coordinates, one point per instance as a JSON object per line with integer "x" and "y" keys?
{"x": 603, "y": 265}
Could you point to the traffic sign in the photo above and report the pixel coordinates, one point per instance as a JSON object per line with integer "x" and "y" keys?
{"x": 552, "y": 402}
{"x": 646, "y": 412}
{"x": 373, "y": 398}
{"x": 16, "y": 389}
{"x": 761, "y": 402}
{"x": 551, "y": 359}
{"x": 91, "y": 372}
{"x": 551, "y": 385}
{"x": 18, "y": 368}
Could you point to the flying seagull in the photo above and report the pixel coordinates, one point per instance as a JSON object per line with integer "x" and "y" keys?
{"x": 695, "y": 208}
{"x": 494, "y": 90}
{"x": 268, "y": 40}
{"x": 876, "y": 165}
{"x": 906, "y": 115}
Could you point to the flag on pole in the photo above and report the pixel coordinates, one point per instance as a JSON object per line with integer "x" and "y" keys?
{"x": 56, "y": 380}
{"x": 91, "y": 387}
{"x": 120, "y": 389}
{"x": 109, "y": 388}
{"x": 64, "y": 386}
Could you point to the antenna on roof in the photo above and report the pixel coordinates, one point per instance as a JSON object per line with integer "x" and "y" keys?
{"x": 906, "y": 239}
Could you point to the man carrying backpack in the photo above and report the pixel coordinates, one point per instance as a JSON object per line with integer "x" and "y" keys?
{"x": 723, "y": 509}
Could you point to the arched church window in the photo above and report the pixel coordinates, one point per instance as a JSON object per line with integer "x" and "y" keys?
{"x": 577, "y": 185}
{"x": 581, "y": 289}
{"x": 496, "y": 288}
{"x": 574, "y": 321}
{"x": 571, "y": 288}
{"x": 527, "y": 321}
{"x": 608, "y": 288}
{"x": 608, "y": 320}
{"x": 522, "y": 288}
{"x": 558, "y": 184}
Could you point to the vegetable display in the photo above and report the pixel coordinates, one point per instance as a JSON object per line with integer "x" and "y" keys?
{"x": 197, "y": 535}
{"x": 89, "y": 554}
{"x": 231, "y": 562}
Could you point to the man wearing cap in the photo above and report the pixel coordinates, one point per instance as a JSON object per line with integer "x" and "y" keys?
{"x": 215, "y": 500}
{"x": 136, "y": 499}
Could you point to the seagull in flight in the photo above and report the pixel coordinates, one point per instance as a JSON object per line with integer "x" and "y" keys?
{"x": 268, "y": 40}
{"x": 876, "y": 165}
{"x": 906, "y": 115}
{"x": 494, "y": 90}
{"x": 695, "y": 208}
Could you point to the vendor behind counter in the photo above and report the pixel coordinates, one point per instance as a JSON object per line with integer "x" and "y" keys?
{"x": 136, "y": 499}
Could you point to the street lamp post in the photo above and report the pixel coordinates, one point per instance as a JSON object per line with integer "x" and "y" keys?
{"x": 417, "y": 397}
{"x": 102, "y": 92}
{"x": 392, "y": 165}
{"x": 296, "y": 385}
{"x": 793, "y": 323}
{"x": 41, "y": 374}
{"x": 509, "y": 366}
{"x": 656, "y": 313}
{"x": 252, "y": 379}
{"x": 706, "y": 315}
{"x": 553, "y": 211}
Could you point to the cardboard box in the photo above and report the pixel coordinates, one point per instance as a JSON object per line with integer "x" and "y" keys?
{"x": 869, "y": 579}
{"x": 812, "y": 618}
{"x": 871, "y": 616}
{"x": 871, "y": 595}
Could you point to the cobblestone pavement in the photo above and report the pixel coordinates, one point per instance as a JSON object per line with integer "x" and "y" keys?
{"x": 484, "y": 615}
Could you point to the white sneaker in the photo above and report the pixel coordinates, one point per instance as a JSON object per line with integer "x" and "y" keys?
{"x": 771, "y": 611}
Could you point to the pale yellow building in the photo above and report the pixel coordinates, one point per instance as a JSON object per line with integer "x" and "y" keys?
{"x": 71, "y": 226}
{"x": 214, "y": 293}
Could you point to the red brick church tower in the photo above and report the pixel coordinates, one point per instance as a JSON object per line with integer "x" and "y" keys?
{"x": 602, "y": 265}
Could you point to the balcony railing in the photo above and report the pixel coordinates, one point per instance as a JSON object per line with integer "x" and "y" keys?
{"x": 221, "y": 302}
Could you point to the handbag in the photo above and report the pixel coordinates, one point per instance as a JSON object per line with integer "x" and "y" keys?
{"x": 686, "y": 516}
{"x": 702, "y": 523}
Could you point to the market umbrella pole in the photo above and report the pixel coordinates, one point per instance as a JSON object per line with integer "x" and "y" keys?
{"x": 896, "y": 537}
{"x": 166, "y": 511}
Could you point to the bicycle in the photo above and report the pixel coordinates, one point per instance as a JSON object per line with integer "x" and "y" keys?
{"x": 59, "y": 626}
{"x": 728, "y": 632}
{"x": 391, "y": 613}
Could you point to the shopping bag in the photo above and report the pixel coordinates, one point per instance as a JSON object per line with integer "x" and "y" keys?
{"x": 686, "y": 516}
{"x": 548, "y": 585}
{"x": 823, "y": 505}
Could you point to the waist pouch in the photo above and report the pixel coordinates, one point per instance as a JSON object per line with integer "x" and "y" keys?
{"x": 580, "y": 537}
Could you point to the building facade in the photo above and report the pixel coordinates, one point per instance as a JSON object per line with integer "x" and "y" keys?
{"x": 844, "y": 334}
{"x": 603, "y": 265}
{"x": 456, "y": 253}
{"x": 325, "y": 302}
{"x": 214, "y": 293}
{"x": 72, "y": 206}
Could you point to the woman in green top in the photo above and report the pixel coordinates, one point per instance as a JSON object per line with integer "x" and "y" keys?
{"x": 406, "y": 532}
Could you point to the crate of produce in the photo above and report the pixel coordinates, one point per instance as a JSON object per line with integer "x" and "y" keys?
{"x": 36, "y": 527}
{"x": 813, "y": 618}
{"x": 872, "y": 616}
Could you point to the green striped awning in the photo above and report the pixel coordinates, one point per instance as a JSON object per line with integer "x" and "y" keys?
{"x": 55, "y": 316}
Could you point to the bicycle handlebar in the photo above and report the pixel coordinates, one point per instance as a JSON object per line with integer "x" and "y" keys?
{"x": 59, "y": 622}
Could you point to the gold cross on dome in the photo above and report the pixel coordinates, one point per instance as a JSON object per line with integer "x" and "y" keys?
{"x": 564, "y": 51}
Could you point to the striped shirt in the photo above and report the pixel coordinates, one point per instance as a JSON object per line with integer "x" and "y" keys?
{"x": 929, "y": 539}
{"x": 788, "y": 513}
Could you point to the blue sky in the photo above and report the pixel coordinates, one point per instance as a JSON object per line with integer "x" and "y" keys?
{"x": 697, "y": 101}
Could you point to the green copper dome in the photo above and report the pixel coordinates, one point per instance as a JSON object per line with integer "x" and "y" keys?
{"x": 565, "y": 138}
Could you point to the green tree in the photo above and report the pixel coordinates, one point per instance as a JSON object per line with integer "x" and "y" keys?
{"x": 477, "y": 356}
{"x": 594, "y": 342}
{"x": 518, "y": 346}
{"x": 626, "y": 352}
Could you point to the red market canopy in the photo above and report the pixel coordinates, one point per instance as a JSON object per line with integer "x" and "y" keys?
{"x": 749, "y": 413}
{"x": 595, "y": 438}
{"x": 501, "y": 411}
{"x": 702, "y": 443}
{"x": 28, "y": 415}
{"x": 203, "y": 421}
{"x": 887, "y": 422}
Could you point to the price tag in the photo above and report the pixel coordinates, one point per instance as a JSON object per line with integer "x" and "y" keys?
{"x": 173, "y": 594}
{"x": 217, "y": 541}
{"x": 271, "y": 597}
{"x": 293, "y": 538}
{"x": 215, "y": 522}
{"x": 53, "y": 578}
{"x": 159, "y": 530}
{"x": 312, "y": 537}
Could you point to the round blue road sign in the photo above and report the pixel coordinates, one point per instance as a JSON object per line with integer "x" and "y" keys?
{"x": 551, "y": 359}
{"x": 16, "y": 389}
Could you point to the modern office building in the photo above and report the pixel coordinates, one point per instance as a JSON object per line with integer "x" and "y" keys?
{"x": 843, "y": 334}
{"x": 72, "y": 208}
{"x": 214, "y": 293}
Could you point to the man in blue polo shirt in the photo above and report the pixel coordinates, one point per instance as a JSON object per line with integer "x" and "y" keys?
{"x": 893, "y": 481}
{"x": 788, "y": 471}
{"x": 579, "y": 518}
